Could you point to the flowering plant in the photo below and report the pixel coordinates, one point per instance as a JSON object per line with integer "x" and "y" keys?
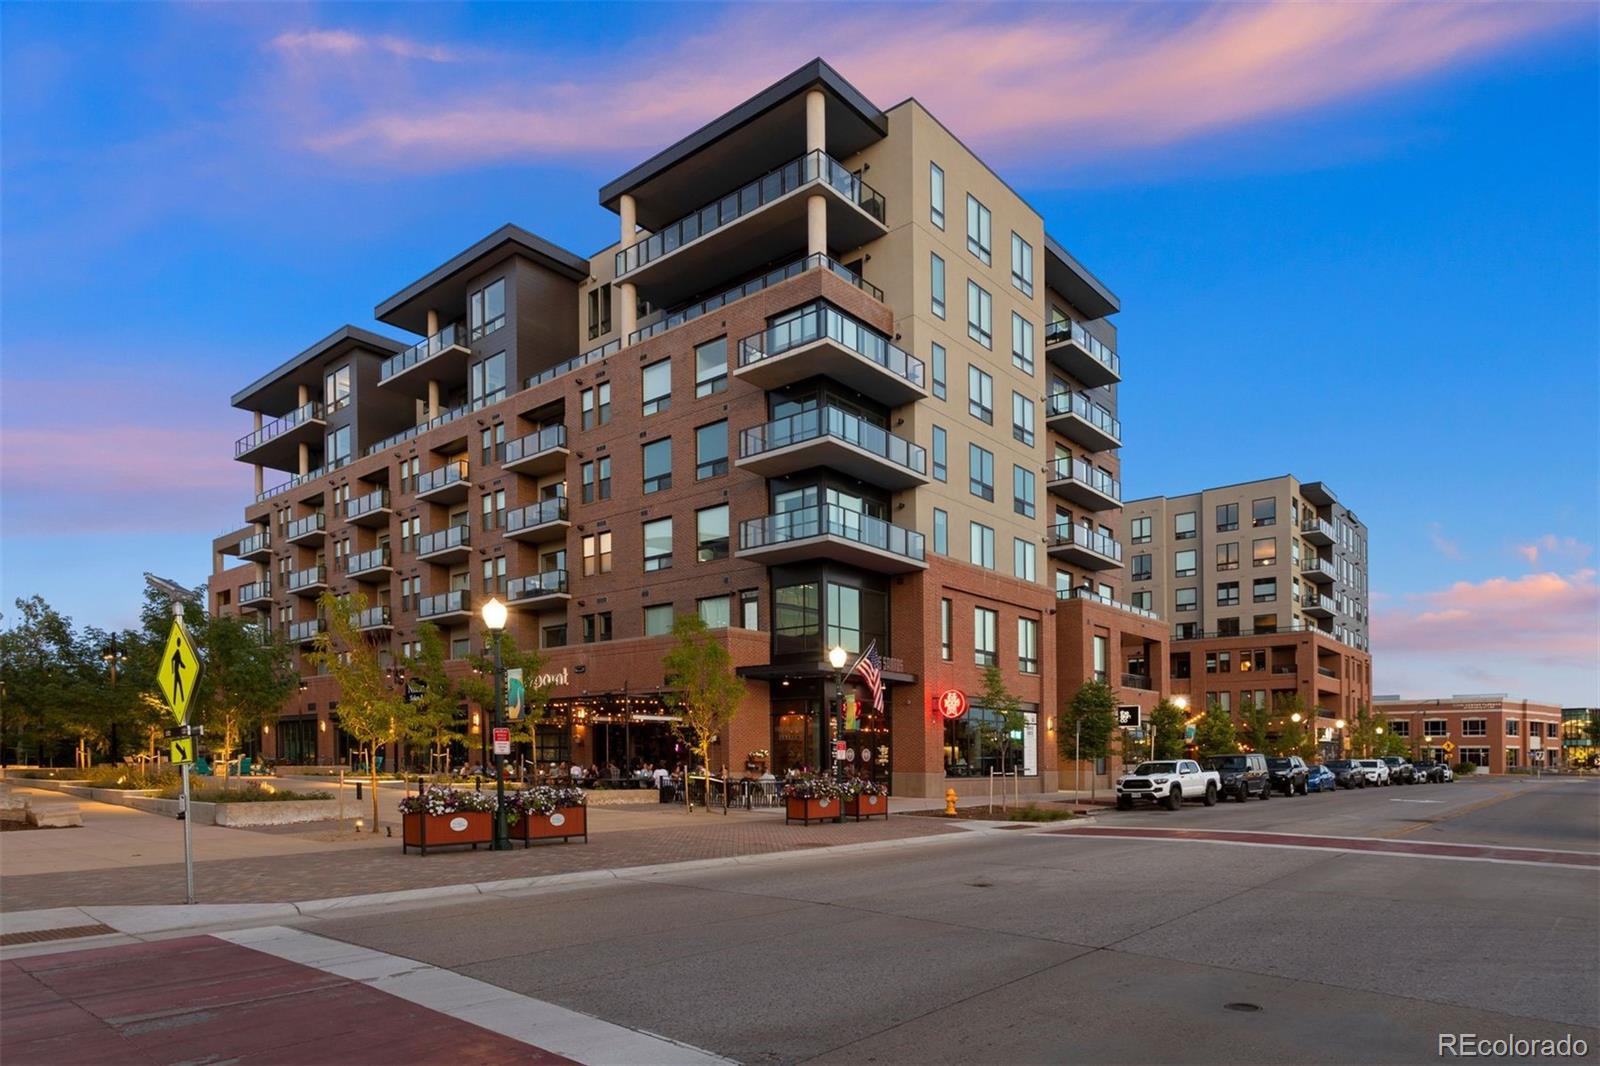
{"x": 861, "y": 786}
{"x": 810, "y": 787}
{"x": 442, "y": 799}
{"x": 542, "y": 800}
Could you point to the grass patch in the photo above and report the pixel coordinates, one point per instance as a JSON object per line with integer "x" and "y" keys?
{"x": 242, "y": 794}
{"x": 1034, "y": 813}
{"x": 127, "y": 777}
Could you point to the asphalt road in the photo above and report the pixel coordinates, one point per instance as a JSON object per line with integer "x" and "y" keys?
{"x": 1041, "y": 946}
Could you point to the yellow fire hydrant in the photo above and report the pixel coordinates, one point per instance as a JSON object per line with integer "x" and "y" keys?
{"x": 950, "y": 802}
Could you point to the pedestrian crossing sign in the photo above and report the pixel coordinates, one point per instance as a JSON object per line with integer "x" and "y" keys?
{"x": 182, "y": 750}
{"x": 178, "y": 671}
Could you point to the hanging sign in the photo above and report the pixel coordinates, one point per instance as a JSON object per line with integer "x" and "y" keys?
{"x": 952, "y": 703}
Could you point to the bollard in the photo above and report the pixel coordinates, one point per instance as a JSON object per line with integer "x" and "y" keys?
{"x": 358, "y": 791}
{"x": 950, "y": 802}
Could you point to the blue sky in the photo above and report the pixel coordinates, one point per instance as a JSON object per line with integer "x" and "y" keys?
{"x": 1357, "y": 243}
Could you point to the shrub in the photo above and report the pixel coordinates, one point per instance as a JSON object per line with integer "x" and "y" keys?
{"x": 242, "y": 794}
{"x": 1035, "y": 813}
{"x": 130, "y": 777}
{"x": 1464, "y": 768}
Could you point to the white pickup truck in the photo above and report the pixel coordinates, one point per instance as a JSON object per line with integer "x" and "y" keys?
{"x": 1168, "y": 782}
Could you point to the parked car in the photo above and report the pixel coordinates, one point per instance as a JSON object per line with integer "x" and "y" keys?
{"x": 1288, "y": 773}
{"x": 1377, "y": 771}
{"x": 1168, "y": 782}
{"x": 1242, "y": 774}
{"x": 1320, "y": 779}
{"x": 1434, "y": 772}
{"x": 1348, "y": 773}
{"x": 1401, "y": 772}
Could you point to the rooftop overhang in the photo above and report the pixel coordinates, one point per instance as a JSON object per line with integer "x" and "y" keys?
{"x": 277, "y": 392}
{"x": 1073, "y": 280}
{"x": 1318, "y": 493}
{"x": 446, "y": 286}
{"x": 759, "y": 135}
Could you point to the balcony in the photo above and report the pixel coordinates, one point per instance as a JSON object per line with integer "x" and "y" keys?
{"x": 1319, "y": 570}
{"x": 538, "y": 591}
{"x": 538, "y": 522}
{"x": 691, "y": 254}
{"x": 1087, "y": 359}
{"x": 1083, "y": 548}
{"x": 446, "y": 606}
{"x": 305, "y": 632}
{"x": 447, "y": 484}
{"x": 1082, "y": 421}
{"x": 448, "y": 545}
{"x": 309, "y": 582}
{"x": 821, "y": 339}
{"x": 372, "y": 510}
{"x": 537, "y": 454}
{"x": 373, "y": 618}
{"x": 277, "y": 443}
{"x": 442, "y": 357}
{"x": 257, "y": 548}
{"x": 673, "y": 319}
{"x": 835, "y": 438}
{"x": 1317, "y": 531}
{"x": 307, "y": 528}
{"x": 828, "y": 531}
{"x": 257, "y": 592}
{"x": 373, "y": 566}
{"x": 1082, "y": 483}
{"x": 1140, "y": 681}
{"x": 1094, "y": 597}
{"x": 297, "y": 481}
{"x": 1317, "y": 605}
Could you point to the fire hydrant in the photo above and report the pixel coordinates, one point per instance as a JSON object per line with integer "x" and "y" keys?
{"x": 950, "y": 802}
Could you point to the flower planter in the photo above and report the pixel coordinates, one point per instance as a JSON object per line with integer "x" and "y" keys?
{"x": 808, "y": 810}
{"x": 426, "y": 831}
{"x": 564, "y": 824}
{"x": 864, "y": 806}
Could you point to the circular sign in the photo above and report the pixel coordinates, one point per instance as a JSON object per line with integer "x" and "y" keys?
{"x": 866, "y": 754}
{"x": 849, "y": 755}
{"x": 458, "y": 824}
{"x": 558, "y": 819}
{"x": 823, "y": 802}
{"x": 872, "y": 801}
{"x": 952, "y": 703}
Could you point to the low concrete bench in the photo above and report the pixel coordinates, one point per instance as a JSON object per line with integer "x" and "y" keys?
{"x": 53, "y": 813}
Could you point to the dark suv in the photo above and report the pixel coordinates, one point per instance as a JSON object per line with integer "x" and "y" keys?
{"x": 1289, "y": 773}
{"x": 1242, "y": 775}
{"x": 1401, "y": 772}
{"x": 1346, "y": 773}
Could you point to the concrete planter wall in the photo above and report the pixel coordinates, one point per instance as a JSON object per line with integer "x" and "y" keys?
{"x": 286, "y": 812}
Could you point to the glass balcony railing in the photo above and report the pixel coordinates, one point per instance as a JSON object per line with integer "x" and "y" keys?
{"x": 1058, "y": 404}
{"x": 299, "y": 479}
{"x": 305, "y": 527}
{"x": 444, "y": 540}
{"x": 536, "y": 514}
{"x": 373, "y": 618}
{"x": 364, "y": 562}
{"x": 442, "y": 477}
{"x": 260, "y": 542}
{"x": 829, "y": 519}
{"x": 549, "y": 583}
{"x": 303, "y": 632}
{"x": 1315, "y": 566}
{"x": 1313, "y": 524}
{"x": 309, "y": 412}
{"x": 452, "y": 336}
{"x": 738, "y": 292}
{"x": 1093, "y": 596}
{"x": 1068, "y": 535}
{"x": 575, "y": 363}
{"x": 1069, "y": 468}
{"x": 1062, "y": 332}
{"x": 311, "y": 577}
{"x": 371, "y": 503}
{"x": 532, "y": 444}
{"x": 813, "y": 166}
{"x": 457, "y": 602}
{"x": 822, "y": 320}
{"x": 839, "y": 424}
{"x": 256, "y": 590}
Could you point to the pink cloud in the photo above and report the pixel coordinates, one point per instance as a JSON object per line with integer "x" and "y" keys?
{"x": 1446, "y": 547}
{"x": 1548, "y": 616}
{"x": 345, "y": 43}
{"x": 1553, "y": 547}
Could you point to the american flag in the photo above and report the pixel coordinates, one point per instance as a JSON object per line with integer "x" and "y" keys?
{"x": 870, "y": 667}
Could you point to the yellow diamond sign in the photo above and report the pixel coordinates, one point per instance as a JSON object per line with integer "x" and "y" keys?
{"x": 182, "y": 750}
{"x": 1449, "y": 747}
{"x": 178, "y": 671}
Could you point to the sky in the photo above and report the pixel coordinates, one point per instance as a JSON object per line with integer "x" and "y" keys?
{"x": 1358, "y": 243}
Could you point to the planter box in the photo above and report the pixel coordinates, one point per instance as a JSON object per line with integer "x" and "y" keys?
{"x": 426, "y": 831}
{"x": 806, "y": 811}
{"x": 859, "y": 807}
{"x": 563, "y": 825}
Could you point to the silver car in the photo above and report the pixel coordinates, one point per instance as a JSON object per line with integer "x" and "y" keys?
{"x": 1377, "y": 771}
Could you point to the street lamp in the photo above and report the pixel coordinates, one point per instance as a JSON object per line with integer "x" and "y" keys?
{"x": 1338, "y": 723}
{"x": 494, "y": 619}
{"x": 836, "y": 659}
{"x": 114, "y": 655}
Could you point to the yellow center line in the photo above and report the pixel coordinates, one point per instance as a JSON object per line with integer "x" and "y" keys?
{"x": 1499, "y": 797}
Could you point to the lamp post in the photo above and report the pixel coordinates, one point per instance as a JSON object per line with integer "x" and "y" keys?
{"x": 1338, "y": 723}
{"x": 494, "y": 619}
{"x": 836, "y": 659}
{"x": 114, "y": 655}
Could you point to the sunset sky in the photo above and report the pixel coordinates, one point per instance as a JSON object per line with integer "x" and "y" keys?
{"x": 1336, "y": 231}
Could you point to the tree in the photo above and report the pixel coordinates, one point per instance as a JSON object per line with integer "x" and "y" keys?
{"x": 371, "y": 708}
{"x": 1295, "y": 737}
{"x": 1085, "y": 728}
{"x": 1254, "y": 725}
{"x": 478, "y": 686}
{"x": 1167, "y": 725}
{"x": 1006, "y": 707}
{"x": 703, "y": 689}
{"x": 245, "y": 676}
{"x": 1214, "y": 734}
{"x": 435, "y": 718}
{"x": 1364, "y": 732}
{"x": 52, "y": 683}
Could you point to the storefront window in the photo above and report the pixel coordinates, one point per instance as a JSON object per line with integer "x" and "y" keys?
{"x": 976, "y": 744}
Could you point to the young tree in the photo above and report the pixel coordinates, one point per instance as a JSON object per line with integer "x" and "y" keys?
{"x": 478, "y": 686}
{"x": 41, "y": 666}
{"x": 1255, "y": 723}
{"x": 435, "y": 718}
{"x": 1084, "y": 729}
{"x": 1167, "y": 722}
{"x": 371, "y": 708}
{"x": 1295, "y": 737}
{"x": 244, "y": 678}
{"x": 1006, "y": 706}
{"x": 1364, "y": 732}
{"x": 702, "y": 686}
{"x": 1213, "y": 733}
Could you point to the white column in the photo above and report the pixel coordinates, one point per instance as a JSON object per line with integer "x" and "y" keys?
{"x": 433, "y": 322}
{"x": 627, "y": 293}
{"x": 628, "y": 217}
{"x": 302, "y": 396}
{"x": 433, "y": 400}
{"x": 629, "y": 298}
{"x": 816, "y": 225}
{"x": 261, "y": 479}
{"x": 305, "y": 458}
{"x": 816, "y": 121}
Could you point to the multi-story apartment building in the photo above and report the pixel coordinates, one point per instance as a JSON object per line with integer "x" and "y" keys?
{"x": 1265, "y": 584}
{"x": 1491, "y": 731}
{"x": 833, "y": 385}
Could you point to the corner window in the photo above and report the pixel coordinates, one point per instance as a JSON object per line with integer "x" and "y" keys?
{"x": 336, "y": 389}
{"x": 486, "y": 309}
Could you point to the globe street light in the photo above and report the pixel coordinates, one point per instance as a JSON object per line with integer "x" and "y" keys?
{"x": 836, "y": 659}
{"x": 1338, "y": 723}
{"x": 494, "y": 619}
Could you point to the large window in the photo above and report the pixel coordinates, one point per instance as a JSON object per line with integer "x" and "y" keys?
{"x": 1264, "y": 512}
{"x": 1228, "y": 594}
{"x": 1021, "y": 343}
{"x": 595, "y": 477}
{"x": 711, "y": 450}
{"x": 1475, "y": 727}
{"x": 979, "y": 241}
{"x": 980, "y": 545}
{"x": 1264, "y": 552}
{"x": 1264, "y": 590}
{"x": 1139, "y": 530}
{"x": 936, "y": 283}
{"x": 1022, "y": 418}
{"x": 938, "y": 360}
{"x": 488, "y": 379}
{"x": 985, "y": 636}
{"x": 596, "y": 554}
{"x": 1183, "y": 563}
{"x": 945, "y": 647}
{"x": 980, "y": 472}
{"x": 844, "y": 618}
{"x": 658, "y": 545}
{"x": 1024, "y": 559}
{"x": 941, "y": 532}
{"x": 338, "y": 447}
{"x": 1227, "y": 517}
{"x": 1228, "y": 556}
{"x": 711, "y": 533}
{"x": 797, "y": 618}
{"x": 980, "y": 395}
{"x": 980, "y": 314}
{"x": 941, "y": 454}
{"x": 1021, "y": 265}
{"x": 1028, "y": 645}
{"x": 716, "y": 611}
{"x": 336, "y": 389}
{"x": 711, "y": 367}
{"x": 1183, "y": 526}
{"x": 1184, "y": 599}
{"x": 658, "y": 387}
{"x": 936, "y": 194}
{"x": 1435, "y": 727}
{"x": 595, "y": 405}
{"x": 658, "y": 620}
{"x": 1023, "y": 484}
{"x": 486, "y": 308}
{"x": 658, "y": 465}
{"x": 1141, "y": 567}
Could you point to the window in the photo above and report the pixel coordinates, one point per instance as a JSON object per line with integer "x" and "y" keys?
{"x": 985, "y": 636}
{"x": 1227, "y": 517}
{"x": 980, "y": 314}
{"x": 978, "y": 230}
{"x": 711, "y": 534}
{"x": 1183, "y": 526}
{"x": 1228, "y": 594}
{"x": 1143, "y": 600}
{"x": 1140, "y": 530}
{"x": 844, "y": 618}
{"x": 599, "y": 310}
{"x": 980, "y": 472}
{"x": 1475, "y": 727}
{"x": 938, "y": 360}
{"x": 981, "y": 546}
{"x": 945, "y": 648}
{"x": 658, "y": 387}
{"x": 494, "y": 574}
{"x": 941, "y": 532}
{"x": 1024, "y": 559}
{"x": 1021, "y": 265}
{"x": 980, "y": 395}
{"x": 596, "y": 627}
{"x": 658, "y": 465}
{"x": 1264, "y": 590}
{"x": 1512, "y": 727}
{"x": 487, "y": 382}
{"x": 710, "y": 367}
{"x": 1264, "y": 552}
{"x": 936, "y": 194}
{"x": 1228, "y": 556}
{"x": 1400, "y": 729}
{"x": 1101, "y": 658}
{"x": 715, "y": 611}
{"x": 796, "y": 618}
{"x": 1028, "y": 645}
{"x": 1183, "y": 599}
{"x": 338, "y": 445}
{"x": 1183, "y": 563}
{"x": 711, "y": 450}
{"x": 941, "y": 458}
{"x": 658, "y": 545}
{"x": 936, "y": 283}
{"x": 1141, "y": 567}
{"x": 493, "y": 440}
{"x": 596, "y": 554}
{"x": 595, "y": 479}
{"x": 486, "y": 308}
{"x": 658, "y": 620}
{"x": 595, "y": 405}
{"x": 494, "y": 509}
{"x": 1022, "y": 491}
{"x": 1021, "y": 343}
{"x": 1022, "y": 418}
{"x": 749, "y": 608}
{"x": 1264, "y": 512}
{"x": 336, "y": 389}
